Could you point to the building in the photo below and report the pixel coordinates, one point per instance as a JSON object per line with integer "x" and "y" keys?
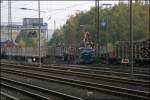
{"x": 5, "y": 35}
{"x": 28, "y": 24}
{"x": 33, "y": 24}
{"x": 32, "y": 21}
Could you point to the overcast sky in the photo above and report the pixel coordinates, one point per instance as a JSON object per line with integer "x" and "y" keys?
{"x": 53, "y": 10}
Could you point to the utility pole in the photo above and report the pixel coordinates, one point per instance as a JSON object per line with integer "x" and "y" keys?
{"x": 148, "y": 4}
{"x": 0, "y": 11}
{"x": 107, "y": 5}
{"x": 0, "y": 16}
{"x": 9, "y": 20}
{"x": 97, "y": 32}
{"x": 10, "y": 24}
{"x": 54, "y": 25}
{"x": 47, "y": 35}
{"x": 131, "y": 39}
{"x": 39, "y": 33}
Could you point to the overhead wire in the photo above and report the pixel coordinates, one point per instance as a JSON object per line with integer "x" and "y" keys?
{"x": 60, "y": 9}
{"x": 67, "y": 7}
{"x": 53, "y": 10}
{"x": 6, "y": 5}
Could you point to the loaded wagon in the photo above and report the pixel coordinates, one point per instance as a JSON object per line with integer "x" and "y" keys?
{"x": 29, "y": 54}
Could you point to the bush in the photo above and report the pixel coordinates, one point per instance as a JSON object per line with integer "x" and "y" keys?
{"x": 97, "y": 60}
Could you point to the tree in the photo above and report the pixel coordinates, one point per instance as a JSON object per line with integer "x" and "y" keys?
{"x": 117, "y": 28}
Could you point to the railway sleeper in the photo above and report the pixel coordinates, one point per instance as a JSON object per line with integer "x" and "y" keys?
{"x": 89, "y": 85}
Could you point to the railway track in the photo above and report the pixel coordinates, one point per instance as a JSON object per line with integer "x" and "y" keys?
{"x": 37, "y": 93}
{"x": 94, "y": 86}
{"x": 111, "y": 68}
{"x": 99, "y": 71}
{"x": 94, "y": 71}
{"x": 17, "y": 93}
{"x": 6, "y": 96}
{"x": 119, "y": 68}
{"x": 82, "y": 94}
{"x": 86, "y": 75}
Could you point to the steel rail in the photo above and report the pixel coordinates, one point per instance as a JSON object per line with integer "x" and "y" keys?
{"x": 83, "y": 69}
{"x": 64, "y": 96}
{"x": 136, "y": 70}
{"x": 106, "y": 67}
{"x": 87, "y": 75}
{"x": 138, "y": 73}
{"x": 89, "y": 85}
{"x": 100, "y": 71}
{"x": 9, "y": 96}
{"x": 99, "y": 67}
{"x": 21, "y": 90}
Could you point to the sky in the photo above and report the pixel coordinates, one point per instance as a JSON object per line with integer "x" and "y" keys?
{"x": 58, "y": 11}
{"x": 50, "y": 10}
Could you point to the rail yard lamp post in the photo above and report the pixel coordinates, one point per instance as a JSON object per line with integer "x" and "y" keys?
{"x": 10, "y": 25}
{"x": 39, "y": 33}
{"x": 97, "y": 19}
{"x": 105, "y": 24}
{"x": 33, "y": 10}
{"x": 47, "y": 30}
{"x": 131, "y": 39}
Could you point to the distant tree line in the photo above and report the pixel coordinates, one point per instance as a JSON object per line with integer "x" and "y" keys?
{"x": 114, "y": 25}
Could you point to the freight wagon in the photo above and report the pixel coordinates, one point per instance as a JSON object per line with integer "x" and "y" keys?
{"x": 141, "y": 52}
{"x": 27, "y": 54}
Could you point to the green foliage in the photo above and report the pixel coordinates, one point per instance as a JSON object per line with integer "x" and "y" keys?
{"x": 25, "y": 39}
{"x": 97, "y": 60}
{"x": 117, "y": 27}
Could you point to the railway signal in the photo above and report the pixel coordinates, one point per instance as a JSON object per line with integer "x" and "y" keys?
{"x": 125, "y": 61}
{"x": 85, "y": 36}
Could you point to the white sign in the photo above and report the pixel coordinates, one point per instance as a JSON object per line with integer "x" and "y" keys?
{"x": 103, "y": 23}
